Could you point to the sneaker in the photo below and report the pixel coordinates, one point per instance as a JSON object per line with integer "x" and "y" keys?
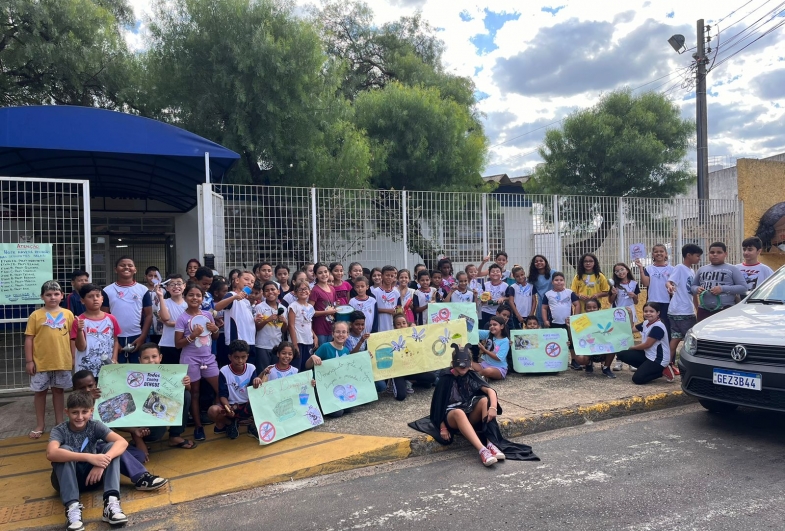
{"x": 589, "y": 368}
{"x": 617, "y": 365}
{"x": 409, "y": 388}
{"x": 675, "y": 369}
{"x": 253, "y": 432}
{"x": 113, "y": 513}
{"x": 487, "y": 457}
{"x": 495, "y": 452}
{"x": 218, "y": 431}
{"x": 608, "y": 372}
{"x": 150, "y": 482}
{"x": 632, "y": 369}
{"x": 576, "y": 366}
{"x": 233, "y": 430}
{"x": 199, "y": 434}
{"x": 667, "y": 372}
{"x": 73, "y": 517}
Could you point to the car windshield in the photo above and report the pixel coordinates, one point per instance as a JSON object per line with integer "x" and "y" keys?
{"x": 771, "y": 290}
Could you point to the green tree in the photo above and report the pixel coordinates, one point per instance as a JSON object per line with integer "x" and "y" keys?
{"x": 406, "y": 50}
{"x": 253, "y": 77}
{"x": 625, "y": 146}
{"x": 426, "y": 142}
{"x": 67, "y": 52}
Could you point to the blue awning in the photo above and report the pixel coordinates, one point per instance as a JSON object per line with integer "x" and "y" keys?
{"x": 122, "y": 155}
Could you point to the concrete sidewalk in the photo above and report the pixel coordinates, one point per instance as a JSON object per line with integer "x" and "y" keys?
{"x": 370, "y": 434}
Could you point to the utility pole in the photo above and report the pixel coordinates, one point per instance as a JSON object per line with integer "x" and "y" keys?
{"x": 702, "y": 124}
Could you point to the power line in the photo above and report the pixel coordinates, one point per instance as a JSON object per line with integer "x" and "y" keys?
{"x": 750, "y": 30}
{"x": 724, "y": 60}
{"x": 732, "y": 12}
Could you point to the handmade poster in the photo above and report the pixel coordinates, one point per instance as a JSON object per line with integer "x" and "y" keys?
{"x": 415, "y": 349}
{"x": 284, "y": 407}
{"x": 440, "y": 312}
{"x": 601, "y": 332}
{"x": 141, "y": 395}
{"x": 345, "y": 382}
{"x": 24, "y": 267}
{"x": 540, "y": 350}
{"x": 637, "y": 251}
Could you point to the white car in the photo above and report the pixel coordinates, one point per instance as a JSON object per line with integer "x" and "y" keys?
{"x": 737, "y": 357}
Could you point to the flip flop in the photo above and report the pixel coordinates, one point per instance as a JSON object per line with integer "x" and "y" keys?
{"x": 35, "y": 434}
{"x": 185, "y": 445}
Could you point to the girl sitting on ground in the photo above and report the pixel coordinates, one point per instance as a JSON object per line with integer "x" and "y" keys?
{"x": 652, "y": 355}
{"x": 462, "y": 402}
{"x": 494, "y": 346}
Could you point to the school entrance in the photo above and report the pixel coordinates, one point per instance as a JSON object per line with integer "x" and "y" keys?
{"x": 79, "y": 188}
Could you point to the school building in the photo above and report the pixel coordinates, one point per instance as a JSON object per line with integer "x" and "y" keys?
{"x": 97, "y": 184}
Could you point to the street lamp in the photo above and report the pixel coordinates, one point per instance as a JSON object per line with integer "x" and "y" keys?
{"x": 677, "y": 43}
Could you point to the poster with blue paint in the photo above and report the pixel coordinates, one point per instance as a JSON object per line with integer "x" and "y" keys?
{"x": 345, "y": 382}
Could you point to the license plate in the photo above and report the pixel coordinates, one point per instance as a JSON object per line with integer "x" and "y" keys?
{"x": 742, "y": 380}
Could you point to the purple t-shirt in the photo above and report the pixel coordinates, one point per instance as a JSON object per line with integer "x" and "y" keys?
{"x": 192, "y": 349}
{"x": 321, "y": 299}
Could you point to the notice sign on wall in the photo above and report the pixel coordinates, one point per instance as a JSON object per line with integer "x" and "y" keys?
{"x": 24, "y": 267}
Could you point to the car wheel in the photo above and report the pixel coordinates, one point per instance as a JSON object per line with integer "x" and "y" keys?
{"x": 717, "y": 407}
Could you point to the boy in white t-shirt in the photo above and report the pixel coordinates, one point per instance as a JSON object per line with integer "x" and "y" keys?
{"x": 753, "y": 271}
{"x": 233, "y": 382}
{"x": 682, "y": 308}
{"x": 271, "y": 324}
{"x": 387, "y": 296}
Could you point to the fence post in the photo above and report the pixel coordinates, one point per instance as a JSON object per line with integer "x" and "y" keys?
{"x": 680, "y": 229}
{"x": 88, "y": 229}
{"x": 404, "y": 212}
{"x": 485, "y": 250}
{"x": 622, "y": 246}
{"x": 557, "y": 232}
{"x": 314, "y": 233}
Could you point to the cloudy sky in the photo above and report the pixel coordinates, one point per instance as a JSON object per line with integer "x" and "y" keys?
{"x": 534, "y": 63}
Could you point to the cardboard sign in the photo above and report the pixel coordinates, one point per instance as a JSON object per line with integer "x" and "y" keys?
{"x": 540, "y": 350}
{"x": 345, "y": 382}
{"x": 415, "y": 349}
{"x": 441, "y": 312}
{"x": 284, "y": 407}
{"x": 601, "y": 332}
{"x": 141, "y": 395}
{"x": 24, "y": 267}
{"x": 637, "y": 251}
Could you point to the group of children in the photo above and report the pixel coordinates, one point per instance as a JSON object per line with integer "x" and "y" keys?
{"x": 250, "y": 326}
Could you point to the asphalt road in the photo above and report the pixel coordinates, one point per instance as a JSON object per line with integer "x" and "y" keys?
{"x": 679, "y": 469}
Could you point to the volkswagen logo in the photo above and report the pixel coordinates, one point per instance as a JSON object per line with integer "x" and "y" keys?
{"x": 738, "y": 353}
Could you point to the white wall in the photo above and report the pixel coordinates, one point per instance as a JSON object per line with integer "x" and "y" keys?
{"x": 186, "y": 239}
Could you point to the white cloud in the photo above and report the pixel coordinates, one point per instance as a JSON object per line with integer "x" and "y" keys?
{"x": 746, "y": 104}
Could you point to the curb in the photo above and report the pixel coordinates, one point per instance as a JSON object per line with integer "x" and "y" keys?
{"x": 565, "y": 418}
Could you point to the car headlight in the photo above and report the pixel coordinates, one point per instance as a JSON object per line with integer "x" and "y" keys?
{"x": 690, "y": 343}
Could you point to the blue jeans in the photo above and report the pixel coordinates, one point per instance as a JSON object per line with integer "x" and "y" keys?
{"x": 69, "y": 478}
{"x": 126, "y": 357}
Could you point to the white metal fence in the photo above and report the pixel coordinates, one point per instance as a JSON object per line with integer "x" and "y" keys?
{"x": 40, "y": 211}
{"x": 293, "y": 226}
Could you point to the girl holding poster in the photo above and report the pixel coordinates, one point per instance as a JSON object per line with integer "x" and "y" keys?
{"x": 494, "y": 350}
{"x": 653, "y": 354}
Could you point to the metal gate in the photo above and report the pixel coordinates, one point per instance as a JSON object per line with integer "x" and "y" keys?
{"x": 37, "y": 210}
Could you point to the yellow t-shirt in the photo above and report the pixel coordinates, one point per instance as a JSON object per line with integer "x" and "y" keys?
{"x": 51, "y": 331}
{"x": 589, "y": 285}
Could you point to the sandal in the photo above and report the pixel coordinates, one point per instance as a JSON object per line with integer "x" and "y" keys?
{"x": 185, "y": 445}
{"x": 35, "y": 434}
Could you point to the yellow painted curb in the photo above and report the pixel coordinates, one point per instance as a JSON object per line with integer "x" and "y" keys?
{"x": 217, "y": 466}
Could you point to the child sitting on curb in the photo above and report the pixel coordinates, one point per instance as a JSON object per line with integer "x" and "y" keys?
{"x": 233, "y": 382}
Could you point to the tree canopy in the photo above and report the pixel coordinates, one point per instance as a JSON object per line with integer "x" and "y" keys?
{"x": 625, "y": 145}
{"x": 64, "y": 52}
